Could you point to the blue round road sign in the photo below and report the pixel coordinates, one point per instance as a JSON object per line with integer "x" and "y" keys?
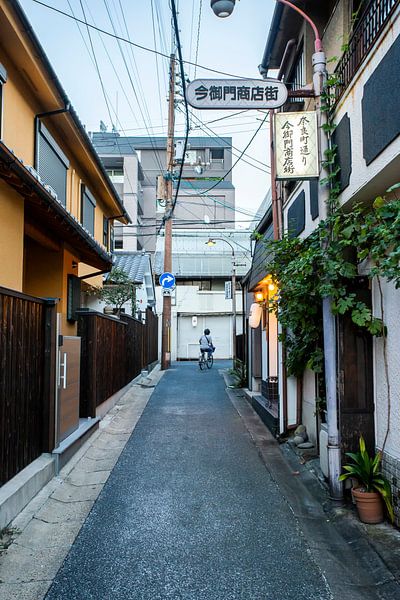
{"x": 167, "y": 280}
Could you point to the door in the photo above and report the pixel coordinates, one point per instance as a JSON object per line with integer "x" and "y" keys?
{"x": 355, "y": 369}
{"x": 190, "y": 331}
{"x": 69, "y": 362}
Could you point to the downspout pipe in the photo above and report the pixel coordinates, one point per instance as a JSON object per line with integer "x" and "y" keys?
{"x": 286, "y": 57}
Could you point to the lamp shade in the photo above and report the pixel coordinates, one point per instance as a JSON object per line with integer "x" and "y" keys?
{"x": 255, "y": 315}
{"x": 223, "y": 8}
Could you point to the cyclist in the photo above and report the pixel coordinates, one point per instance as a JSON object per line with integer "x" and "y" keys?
{"x": 206, "y": 344}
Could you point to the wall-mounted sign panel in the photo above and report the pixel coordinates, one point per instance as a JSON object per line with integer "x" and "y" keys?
{"x": 236, "y": 93}
{"x": 296, "y": 145}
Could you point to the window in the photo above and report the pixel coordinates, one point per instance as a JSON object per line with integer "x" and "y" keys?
{"x": 73, "y": 297}
{"x": 217, "y": 154}
{"x": 51, "y": 163}
{"x": 205, "y": 285}
{"x": 119, "y": 244}
{"x": 105, "y": 231}
{"x": 296, "y": 80}
{"x": 3, "y": 79}
{"x": 88, "y": 204}
{"x": 112, "y": 237}
{"x": 116, "y": 175}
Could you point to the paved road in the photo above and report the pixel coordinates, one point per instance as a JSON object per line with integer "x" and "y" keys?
{"x": 190, "y": 511}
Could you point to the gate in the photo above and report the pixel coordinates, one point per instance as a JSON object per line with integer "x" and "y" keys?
{"x": 27, "y": 380}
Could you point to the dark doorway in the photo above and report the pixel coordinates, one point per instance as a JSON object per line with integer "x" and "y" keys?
{"x": 355, "y": 371}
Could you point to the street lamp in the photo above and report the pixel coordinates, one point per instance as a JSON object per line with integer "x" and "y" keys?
{"x": 211, "y": 242}
{"x": 329, "y": 324}
{"x": 223, "y": 8}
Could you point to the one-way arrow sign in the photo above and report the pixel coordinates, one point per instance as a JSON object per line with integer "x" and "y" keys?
{"x": 167, "y": 281}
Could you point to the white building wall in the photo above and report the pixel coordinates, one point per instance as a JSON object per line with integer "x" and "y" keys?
{"x": 368, "y": 181}
{"x": 211, "y": 310}
{"x": 391, "y": 308}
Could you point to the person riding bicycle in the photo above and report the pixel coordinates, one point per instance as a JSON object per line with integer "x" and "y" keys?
{"x": 206, "y": 344}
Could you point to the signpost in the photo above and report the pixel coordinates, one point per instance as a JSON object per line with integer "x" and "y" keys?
{"x": 296, "y": 145}
{"x": 167, "y": 281}
{"x": 236, "y": 94}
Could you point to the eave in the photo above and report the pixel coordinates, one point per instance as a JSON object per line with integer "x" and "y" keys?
{"x": 46, "y": 213}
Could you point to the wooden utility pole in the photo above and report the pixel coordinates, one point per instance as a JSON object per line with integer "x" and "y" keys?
{"x": 168, "y": 189}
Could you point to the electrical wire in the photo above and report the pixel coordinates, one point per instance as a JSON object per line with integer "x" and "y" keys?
{"x": 240, "y": 157}
{"x": 131, "y": 80}
{"x": 108, "y": 102}
{"x": 198, "y": 38}
{"x": 122, "y": 39}
{"x": 183, "y": 82}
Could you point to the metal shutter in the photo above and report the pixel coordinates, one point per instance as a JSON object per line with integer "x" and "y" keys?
{"x": 51, "y": 168}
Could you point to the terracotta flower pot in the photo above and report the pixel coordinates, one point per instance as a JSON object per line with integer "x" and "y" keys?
{"x": 369, "y": 506}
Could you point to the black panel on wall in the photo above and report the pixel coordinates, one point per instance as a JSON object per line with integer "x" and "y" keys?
{"x": 314, "y": 187}
{"x": 381, "y": 105}
{"x": 342, "y": 138}
{"x": 296, "y": 215}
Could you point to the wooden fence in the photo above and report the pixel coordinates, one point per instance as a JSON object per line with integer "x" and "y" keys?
{"x": 27, "y": 380}
{"x": 114, "y": 351}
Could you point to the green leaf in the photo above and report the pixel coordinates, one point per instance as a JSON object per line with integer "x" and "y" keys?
{"x": 378, "y": 202}
{"x": 396, "y": 186}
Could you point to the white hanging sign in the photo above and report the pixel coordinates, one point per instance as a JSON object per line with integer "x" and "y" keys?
{"x": 296, "y": 145}
{"x": 236, "y": 93}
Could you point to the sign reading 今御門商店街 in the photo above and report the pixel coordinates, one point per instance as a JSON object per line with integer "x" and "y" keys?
{"x": 296, "y": 145}
{"x": 236, "y": 94}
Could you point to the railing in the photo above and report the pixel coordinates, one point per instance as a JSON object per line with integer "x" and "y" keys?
{"x": 114, "y": 351}
{"x": 367, "y": 31}
{"x": 27, "y": 380}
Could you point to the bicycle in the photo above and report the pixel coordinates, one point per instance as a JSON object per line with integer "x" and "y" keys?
{"x": 205, "y": 362}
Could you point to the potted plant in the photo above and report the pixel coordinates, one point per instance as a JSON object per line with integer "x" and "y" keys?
{"x": 372, "y": 488}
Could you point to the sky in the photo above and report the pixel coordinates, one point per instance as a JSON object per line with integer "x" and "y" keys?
{"x": 134, "y": 81}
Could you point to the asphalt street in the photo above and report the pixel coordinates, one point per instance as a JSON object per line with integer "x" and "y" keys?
{"x": 190, "y": 512}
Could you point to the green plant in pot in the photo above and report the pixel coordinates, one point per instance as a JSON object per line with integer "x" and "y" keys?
{"x": 373, "y": 487}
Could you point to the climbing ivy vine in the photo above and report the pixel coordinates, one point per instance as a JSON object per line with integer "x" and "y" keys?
{"x": 326, "y": 263}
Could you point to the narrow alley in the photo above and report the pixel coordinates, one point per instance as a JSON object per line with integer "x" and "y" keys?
{"x": 189, "y": 511}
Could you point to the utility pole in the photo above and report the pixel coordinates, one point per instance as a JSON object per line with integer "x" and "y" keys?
{"x": 168, "y": 191}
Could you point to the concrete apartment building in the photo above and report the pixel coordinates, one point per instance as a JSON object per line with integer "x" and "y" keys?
{"x": 134, "y": 163}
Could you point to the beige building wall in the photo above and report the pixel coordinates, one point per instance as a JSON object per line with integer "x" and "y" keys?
{"x": 11, "y": 238}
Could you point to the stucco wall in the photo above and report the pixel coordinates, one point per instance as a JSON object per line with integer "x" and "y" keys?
{"x": 11, "y": 238}
{"x": 368, "y": 181}
{"x": 391, "y": 307}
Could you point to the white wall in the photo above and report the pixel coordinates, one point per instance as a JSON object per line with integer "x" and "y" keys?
{"x": 391, "y": 307}
{"x": 189, "y": 302}
{"x": 368, "y": 181}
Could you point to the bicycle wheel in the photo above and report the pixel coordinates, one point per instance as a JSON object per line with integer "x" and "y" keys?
{"x": 202, "y": 363}
{"x": 210, "y": 361}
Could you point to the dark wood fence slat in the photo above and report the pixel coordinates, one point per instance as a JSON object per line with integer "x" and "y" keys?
{"x": 114, "y": 351}
{"x": 24, "y": 401}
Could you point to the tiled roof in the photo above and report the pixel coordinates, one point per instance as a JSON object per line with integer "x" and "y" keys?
{"x": 135, "y": 264}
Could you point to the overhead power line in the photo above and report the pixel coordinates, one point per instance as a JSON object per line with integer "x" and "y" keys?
{"x": 122, "y": 39}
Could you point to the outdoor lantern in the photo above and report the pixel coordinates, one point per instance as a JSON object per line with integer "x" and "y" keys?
{"x": 259, "y": 296}
{"x": 271, "y": 287}
{"x": 223, "y": 8}
{"x": 255, "y": 315}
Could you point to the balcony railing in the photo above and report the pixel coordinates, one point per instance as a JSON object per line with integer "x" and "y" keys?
{"x": 367, "y": 31}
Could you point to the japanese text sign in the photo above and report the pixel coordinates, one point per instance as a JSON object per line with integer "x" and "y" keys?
{"x": 236, "y": 93}
{"x": 296, "y": 145}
